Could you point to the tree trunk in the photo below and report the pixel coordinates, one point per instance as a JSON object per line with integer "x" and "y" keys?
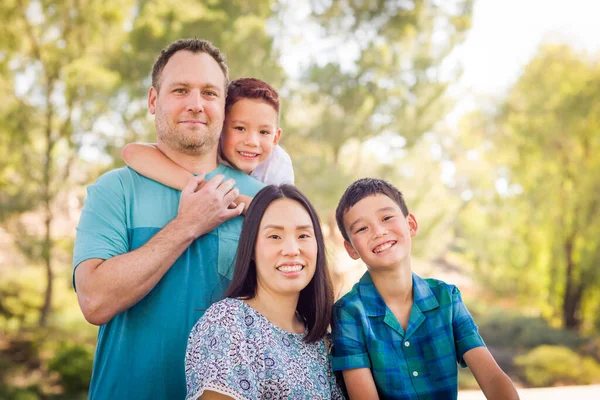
{"x": 573, "y": 291}
{"x": 47, "y": 201}
{"x": 47, "y": 255}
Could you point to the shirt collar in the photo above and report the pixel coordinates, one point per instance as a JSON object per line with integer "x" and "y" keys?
{"x": 423, "y": 297}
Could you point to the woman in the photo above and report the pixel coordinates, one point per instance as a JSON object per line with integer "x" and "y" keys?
{"x": 266, "y": 340}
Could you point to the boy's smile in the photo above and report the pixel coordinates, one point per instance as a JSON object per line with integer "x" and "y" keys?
{"x": 379, "y": 233}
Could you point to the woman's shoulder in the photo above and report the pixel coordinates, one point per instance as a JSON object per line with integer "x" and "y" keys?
{"x": 227, "y": 313}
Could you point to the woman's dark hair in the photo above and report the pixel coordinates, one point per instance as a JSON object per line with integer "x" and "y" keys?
{"x": 316, "y": 299}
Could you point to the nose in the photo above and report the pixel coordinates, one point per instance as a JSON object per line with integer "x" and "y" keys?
{"x": 379, "y": 230}
{"x": 251, "y": 138}
{"x": 290, "y": 247}
{"x": 195, "y": 103}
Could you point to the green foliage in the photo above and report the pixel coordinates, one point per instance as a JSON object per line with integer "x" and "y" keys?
{"x": 73, "y": 363}
{"x": 519, "y": 332}
{"x": 531, "y": 228}
{"x": 554, "y": 365}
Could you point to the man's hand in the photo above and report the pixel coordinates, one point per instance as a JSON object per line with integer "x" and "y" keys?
{"x": 204, "y": 205}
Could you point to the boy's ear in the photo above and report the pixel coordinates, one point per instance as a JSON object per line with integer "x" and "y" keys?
{"x": 350, "y": 250}
{"x": 277, "y": 136}
{"x": 412, "y": 224}
{"x": 152, "y": 94}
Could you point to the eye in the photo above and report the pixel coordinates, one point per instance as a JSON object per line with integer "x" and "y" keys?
{"x": 210, "y": 93}
{"x": 362, "y": 229}
{"x": 304, "y": 236}
{"x": 273, "y": 236}
{"x": 263, "y": 132}
{"x": 388, "y": 217}
{"x": 180, "y": 91}
{"x": 239, "y": 128}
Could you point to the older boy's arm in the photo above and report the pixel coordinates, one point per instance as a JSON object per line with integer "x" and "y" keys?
{"x": 494, "y": 383}
{"x": 360, "y": 384}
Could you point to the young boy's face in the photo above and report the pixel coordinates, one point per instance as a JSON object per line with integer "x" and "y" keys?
{"x": 379, "y": 233}
{"x": 250, "y": 133}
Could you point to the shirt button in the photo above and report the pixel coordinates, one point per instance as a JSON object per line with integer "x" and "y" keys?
{"x": 407, "y": 343}
{"x": 415, "y": 373}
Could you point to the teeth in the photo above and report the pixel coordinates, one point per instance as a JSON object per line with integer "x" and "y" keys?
{"x": 243, "y": 153}
{"x": 383, "y": 247}
{"x": 290, "y": 268}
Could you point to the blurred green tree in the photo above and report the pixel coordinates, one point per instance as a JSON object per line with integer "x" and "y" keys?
{"x": 383, "y": 70}
{"x": 539, "y": 207}
{"x": 55, "y": 82}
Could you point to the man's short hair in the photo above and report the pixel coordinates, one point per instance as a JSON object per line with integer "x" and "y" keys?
{"x": 191, "y": 45}
{"x": 363, "y": 188}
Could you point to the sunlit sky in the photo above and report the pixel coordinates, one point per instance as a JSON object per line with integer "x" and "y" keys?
{"x": 506, "y": 34}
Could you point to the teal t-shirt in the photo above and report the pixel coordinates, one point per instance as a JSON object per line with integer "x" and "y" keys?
{"x": 141, "y": 352}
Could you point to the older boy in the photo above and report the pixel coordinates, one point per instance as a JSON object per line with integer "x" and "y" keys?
{"x": 396, "y": 335}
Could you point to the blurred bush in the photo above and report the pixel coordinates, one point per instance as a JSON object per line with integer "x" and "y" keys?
{"x": 518, "y": 332}
{"x": 557, "y": 365}
{"x": 73, "y": 363}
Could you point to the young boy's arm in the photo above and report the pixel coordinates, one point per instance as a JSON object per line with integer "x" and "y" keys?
{"x": 494, "y": 383}
{"x": 360, "y": 384}
{"x": 148, "y": 160}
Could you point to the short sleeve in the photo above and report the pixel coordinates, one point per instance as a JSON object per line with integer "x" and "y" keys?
{"x": 213, "y": 347}
{"x": 277, "y": 169}
{"x": 349, "y": 347}
{"x": 466, "y": 334}
{"x": 102, "y": 229}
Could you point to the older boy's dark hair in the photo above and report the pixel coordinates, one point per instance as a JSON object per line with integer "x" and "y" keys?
{"x": 363, "y": 188}
{"x": 316, "y": 299}
{"x": 192, "y": 45}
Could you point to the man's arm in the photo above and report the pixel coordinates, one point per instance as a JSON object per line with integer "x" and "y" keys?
{"x": 106, "y": 288}
{"x": 494, "y": 383}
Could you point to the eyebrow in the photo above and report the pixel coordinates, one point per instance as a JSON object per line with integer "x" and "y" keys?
{"x": 204, "y": 86}
{"x": 299, "y": 227}
{"x": 384, "y": 209}
{"x": 239, "y": 121}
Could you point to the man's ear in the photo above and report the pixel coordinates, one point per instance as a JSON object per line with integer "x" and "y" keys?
{"x": 277, "y": 136}
{"x": 350, "y": 250}
{"x": 412, "y": 224}
{"x": 152, "y": 95}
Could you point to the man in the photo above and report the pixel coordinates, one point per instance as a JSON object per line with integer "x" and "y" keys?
{"x": 148, "y": 260}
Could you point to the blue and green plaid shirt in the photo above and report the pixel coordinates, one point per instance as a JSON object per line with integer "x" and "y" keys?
{"x": 420, "y": 363}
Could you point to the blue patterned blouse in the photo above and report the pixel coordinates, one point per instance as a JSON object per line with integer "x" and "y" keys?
{"x": 236, "y": 351}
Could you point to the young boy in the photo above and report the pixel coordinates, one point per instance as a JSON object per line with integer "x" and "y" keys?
{"x": 396, "y": 335}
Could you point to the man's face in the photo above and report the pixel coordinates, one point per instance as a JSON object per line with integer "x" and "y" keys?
{"x": 189, "y": 107}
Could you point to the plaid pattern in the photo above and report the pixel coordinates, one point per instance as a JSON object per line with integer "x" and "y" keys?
{"x": 420, "y": 363}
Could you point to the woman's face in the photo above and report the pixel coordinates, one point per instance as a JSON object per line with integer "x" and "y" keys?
{"x": 286, "y": 249}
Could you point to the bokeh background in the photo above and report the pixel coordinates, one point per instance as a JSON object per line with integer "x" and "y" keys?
{"x": 486, "y": 114}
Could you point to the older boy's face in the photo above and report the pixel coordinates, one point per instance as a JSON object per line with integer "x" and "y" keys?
{"x": 379, "y": 233}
